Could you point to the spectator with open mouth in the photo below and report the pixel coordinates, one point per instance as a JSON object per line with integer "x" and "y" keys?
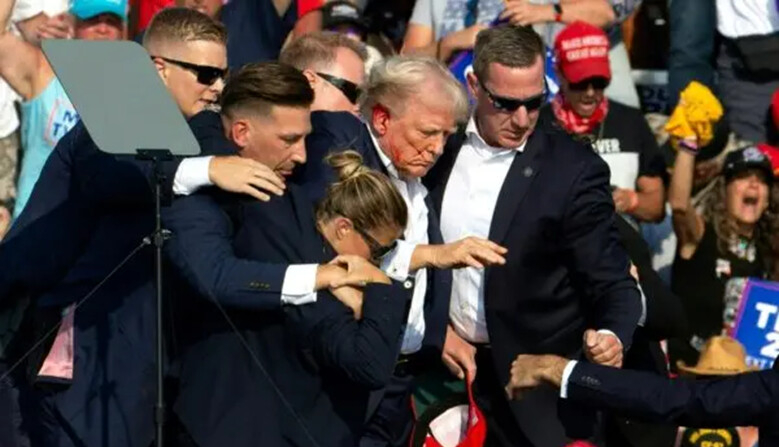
{"x": 727, "y": 237}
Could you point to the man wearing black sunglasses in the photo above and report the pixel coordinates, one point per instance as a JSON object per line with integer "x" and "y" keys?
{"x": 619, "y": 133}
{"x": 334, "y": 65}
{"x": 545, "y": 197}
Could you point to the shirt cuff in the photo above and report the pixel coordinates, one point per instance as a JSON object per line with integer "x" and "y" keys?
{"x": 566, "y": 375}
{"x": 191, "y": 175}
{"x": 606, "y": 331}
{"x": 299, "y": 284}
{"x": 397, "y": 264}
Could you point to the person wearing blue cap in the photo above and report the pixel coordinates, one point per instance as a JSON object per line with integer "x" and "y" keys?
{"x": 46, "y": 111}
{"x": 99, "y": 19}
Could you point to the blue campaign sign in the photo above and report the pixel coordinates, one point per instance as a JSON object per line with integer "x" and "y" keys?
{"x": 757, "y": 323}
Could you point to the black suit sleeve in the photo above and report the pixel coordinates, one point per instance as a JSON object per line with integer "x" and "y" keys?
{"x": 201, "y": 250}
{"x": 664, "y": 310}
{"x": 740, "y": 400}
{"x": 365, "y": 351}
{"x": 596, "y": 257}
{"x": 331, "y": 132}
{"x": 77, "y": 183}
{"x": 51, "y": 232}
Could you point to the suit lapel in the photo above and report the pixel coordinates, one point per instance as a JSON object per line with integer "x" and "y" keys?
{"x": 438, "y": 177}
{"x": 523, "y": 170}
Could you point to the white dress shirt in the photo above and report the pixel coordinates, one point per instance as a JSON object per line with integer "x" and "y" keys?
{"x": 299, "y": 279}
{"x": 468, "y": 206}
{"x": 739, "y": 18}
{"x": 397, "y": 263}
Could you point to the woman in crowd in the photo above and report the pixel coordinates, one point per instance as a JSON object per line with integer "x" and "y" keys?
{"x": 324, "y": 357}
{"x": 728, "y": 237}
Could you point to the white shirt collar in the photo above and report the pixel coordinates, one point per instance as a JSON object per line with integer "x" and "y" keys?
{"x": 472, "y": 134}
{"x": 393, "y": 172}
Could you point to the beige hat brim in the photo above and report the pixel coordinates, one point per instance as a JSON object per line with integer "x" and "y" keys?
{"x": 712, "y": 372}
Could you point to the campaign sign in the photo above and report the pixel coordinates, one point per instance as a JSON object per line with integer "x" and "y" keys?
{"x": 757, "y": 323}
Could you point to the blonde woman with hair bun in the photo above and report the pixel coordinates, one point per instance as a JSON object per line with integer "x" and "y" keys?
{"x": 326, "y": 357}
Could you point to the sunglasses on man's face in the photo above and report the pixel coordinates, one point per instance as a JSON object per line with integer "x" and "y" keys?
{"x": 378, "y": 251}
{"x": 597, "y": 83}
{"x": 348, "y": 88}
{"x": 512, "y": 104}
{"x": 206, "y": 74}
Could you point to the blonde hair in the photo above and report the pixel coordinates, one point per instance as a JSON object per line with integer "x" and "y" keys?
{"x": 366, "y": 197}
{"x": 396, "y": 80}
{"x": 181, "y": 25}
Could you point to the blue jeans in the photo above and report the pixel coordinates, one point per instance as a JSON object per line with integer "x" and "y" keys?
{"x": 693, "y": 27}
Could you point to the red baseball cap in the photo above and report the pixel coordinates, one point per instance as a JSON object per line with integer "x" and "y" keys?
{"x": 772, "y": 153}
{"x": 582, "y": 52}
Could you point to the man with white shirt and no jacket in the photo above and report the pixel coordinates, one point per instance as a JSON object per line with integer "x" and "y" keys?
{"x": 565, "y": 287}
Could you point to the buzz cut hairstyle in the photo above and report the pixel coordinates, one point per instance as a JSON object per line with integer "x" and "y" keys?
{"x": 255, "y": 88}
{"x": 508, "y": 45}
{"x": 317, "y": 51}
{"x": 181, "y": 25}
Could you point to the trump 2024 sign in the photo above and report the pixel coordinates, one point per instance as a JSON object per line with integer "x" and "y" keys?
{"x": 756, "y": 324}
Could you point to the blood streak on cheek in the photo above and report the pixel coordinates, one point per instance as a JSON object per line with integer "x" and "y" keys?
{"x": 395, "y": 155}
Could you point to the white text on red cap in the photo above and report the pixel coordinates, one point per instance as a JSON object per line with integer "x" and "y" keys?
{"x": 586, "y": 41}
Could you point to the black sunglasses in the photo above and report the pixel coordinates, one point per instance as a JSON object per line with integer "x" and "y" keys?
{"x": 348, "y": 88}
{"x": 378, "y": 251}
{"x": 597, "y": 83}
{"x": 512, "y": 104}
{"x": 206, "y": 74}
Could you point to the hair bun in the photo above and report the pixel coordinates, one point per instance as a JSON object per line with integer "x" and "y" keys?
{"x": 347, "y": 164}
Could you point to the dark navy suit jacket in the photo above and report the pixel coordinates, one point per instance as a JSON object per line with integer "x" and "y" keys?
{"x": 338, "y": 131}
{"x": 200, "y": 249}
{"x": 291, "y": 376}
{"x": 565, "y": 269}
{"x": 324, "y": 361}
{"x": 295, "y": 376}
{"x": 88, "y": 211}
{"x": 743, "y": 400}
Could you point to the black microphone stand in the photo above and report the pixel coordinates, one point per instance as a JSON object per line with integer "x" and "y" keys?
{"x": 158, "y": 237}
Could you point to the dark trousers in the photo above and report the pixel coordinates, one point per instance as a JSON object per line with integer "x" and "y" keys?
{"x": 691, "y": 57}
{"x": 18, "y": 420}
{"x": 490, "y": 396}
{"x": 547, "y": 420}
{"x": 392, "y": 421}
{"x": 745, "y": 96}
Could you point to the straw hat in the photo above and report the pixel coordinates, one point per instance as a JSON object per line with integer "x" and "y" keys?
{"x": 721, "y": 356}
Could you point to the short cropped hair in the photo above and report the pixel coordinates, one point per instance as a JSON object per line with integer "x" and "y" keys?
{"x": 398, "y": 79}
{"x": 316, "y": 51}
{"x": 256, "y": 87}
{"x": 183, "y": 25}
{"x": 509, "y": 45}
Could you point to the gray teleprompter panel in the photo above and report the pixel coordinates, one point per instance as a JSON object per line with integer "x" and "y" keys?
{"x": 119, "y": 96}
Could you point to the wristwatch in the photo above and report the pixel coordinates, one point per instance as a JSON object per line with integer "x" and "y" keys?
{"x": 558, "y": 12}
